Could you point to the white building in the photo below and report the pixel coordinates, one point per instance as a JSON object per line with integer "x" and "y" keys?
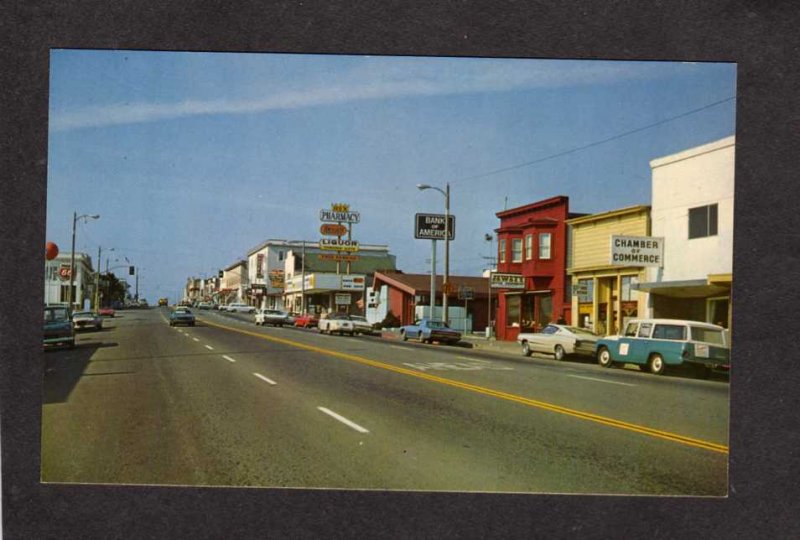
{"x": 265, "y": 267}
{"x": 56, "y": 280}
{"x": 692, "y": 209}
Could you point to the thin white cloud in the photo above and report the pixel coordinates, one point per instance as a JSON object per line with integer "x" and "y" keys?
{"x": 400, "y": 79}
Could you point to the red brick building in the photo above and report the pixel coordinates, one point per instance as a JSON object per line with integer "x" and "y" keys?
{"x": 532, "y": 249}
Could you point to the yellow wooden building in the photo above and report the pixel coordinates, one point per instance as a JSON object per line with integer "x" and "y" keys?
{"x": 603, "y": 298}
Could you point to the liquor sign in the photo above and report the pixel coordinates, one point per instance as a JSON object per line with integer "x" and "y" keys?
{"x": 507, "y": 281}
{"x": 342, "y": 299}
{"x": 353, "y": 282}
{"x": 64, "y": 271}
{"x": 637, "y": 251}
{"x": 431, "y": 226}
{"x": 339, "y": 213}
{"x": 337, "y": 244}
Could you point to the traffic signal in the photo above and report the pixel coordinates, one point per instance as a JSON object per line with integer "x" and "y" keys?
{"x": 131, "y": 270}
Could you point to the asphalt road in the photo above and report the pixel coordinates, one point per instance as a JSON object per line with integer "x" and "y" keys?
{"x": 226, "y": 403}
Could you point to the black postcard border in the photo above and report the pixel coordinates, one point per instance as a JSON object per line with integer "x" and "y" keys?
{"x": 760, "y": 37}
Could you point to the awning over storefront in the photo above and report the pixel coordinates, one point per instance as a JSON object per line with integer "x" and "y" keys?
{"x": 519, "y": 293}
{"x": 690, "y": 288}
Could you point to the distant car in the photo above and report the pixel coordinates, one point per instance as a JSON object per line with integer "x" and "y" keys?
{"x": 559, "y": 340}
{"x": 335, "y": 323}
{"x": 240, "y": 307}
{"x": 162, "y": 302}
{"x": 275, "y": 317}
{"x": 306, "y": 321}
{"x": 58, "y": 328}
{"x": 181, "y": 315}
{"x": 430, "y": 330}
{"x": 87, "y": 319}
{"x": 204, "y": 305}
{"x": 361, "y": 325}
{"x": 106, "y": 312}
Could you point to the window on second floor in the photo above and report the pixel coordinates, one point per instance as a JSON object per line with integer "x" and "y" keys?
{"x": 544, "y": 245}
{"x": 516, "y": 250}
{"x": 501, "y": 251}
{"x": 703, "y": 221}
{"x": 528, "y": 247}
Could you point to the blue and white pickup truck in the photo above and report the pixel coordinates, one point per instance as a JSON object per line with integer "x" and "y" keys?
{"x": 428, "y": 331}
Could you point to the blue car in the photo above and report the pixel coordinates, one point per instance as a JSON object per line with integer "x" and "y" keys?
{"x": 181, "y": 315}
{"x": 654, "y": 344}
{"x": 58, "y": 327}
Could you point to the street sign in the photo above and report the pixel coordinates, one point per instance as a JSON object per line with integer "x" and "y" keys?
{"x": 431, "y": 226}
{"x": 466, "y": 293}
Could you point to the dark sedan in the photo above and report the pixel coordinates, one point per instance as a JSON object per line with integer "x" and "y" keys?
{"x": 58, "y": 327}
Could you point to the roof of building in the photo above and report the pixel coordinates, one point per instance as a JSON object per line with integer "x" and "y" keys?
{"x": 421, "y": 283}
{"x": 693, "y": 152}
{"x": 587, "y": 218}
{"x": 559, "y": 199}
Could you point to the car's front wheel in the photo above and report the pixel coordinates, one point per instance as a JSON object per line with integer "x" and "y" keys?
{"x": 604, "y": 357}
{"x": 526, "y": 348}
{"x": 559, "y": 353}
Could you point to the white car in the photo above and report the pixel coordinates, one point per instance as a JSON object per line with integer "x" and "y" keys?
{"x": 240, "y": 307}
{"x": 559, "y": 340}
{"x": 361, "y": 325}
{"x": 274, "y": 317}
{"x": 336, "y": 323}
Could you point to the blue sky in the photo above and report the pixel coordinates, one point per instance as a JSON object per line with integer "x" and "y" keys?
{"x": 191, "y": 159}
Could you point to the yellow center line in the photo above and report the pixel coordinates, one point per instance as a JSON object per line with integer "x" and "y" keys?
{"x": 666, "y": 435}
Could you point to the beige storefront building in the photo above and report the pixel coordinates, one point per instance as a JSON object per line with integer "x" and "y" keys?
{"x": 603, "y": 296}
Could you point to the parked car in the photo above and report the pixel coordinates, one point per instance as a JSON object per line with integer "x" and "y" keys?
{"x": 306, "y": 321}
{"x": 335, "y": 323}
{"x": 361, "y": 325}
{"x": 58, "y": 327}
{"x": 430, "y": 330}
{"x": 204, "y": 305}
{"x": 275, "y": 317}
{"x": 654, "y": 344}
{"x": 559, "y": 340}
{"x": 87, "y": 319}
{"x": 240, "y": 307}
{"x": 106, "y": 312}
{"x": 181, "y": 315}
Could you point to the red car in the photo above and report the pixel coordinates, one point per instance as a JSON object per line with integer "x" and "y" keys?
{"x": 105, "y": 312}
{"x": 306, "y": 321}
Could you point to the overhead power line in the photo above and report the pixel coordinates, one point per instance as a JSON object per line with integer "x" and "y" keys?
{"x": 596, "y": 143}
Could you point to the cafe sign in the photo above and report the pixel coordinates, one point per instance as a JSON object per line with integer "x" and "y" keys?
{"x": 637, "y": 251}
{"x": 507, "y": 281}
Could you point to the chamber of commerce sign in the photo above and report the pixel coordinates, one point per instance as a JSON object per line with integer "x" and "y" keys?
{"x": 431, "y": 226}
{"x": 637, "y": 251}
{"x": 507, "y": 281}
{"x": 339, "y": 213}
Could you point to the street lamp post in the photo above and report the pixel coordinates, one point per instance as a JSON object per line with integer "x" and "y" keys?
{"x": 75, "y": 218}
{"x": 445, "y": 287}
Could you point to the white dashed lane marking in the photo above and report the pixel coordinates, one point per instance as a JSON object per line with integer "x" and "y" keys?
{"x": 228, "y": 358}
{"x": 343, "y": 420}
{"x": 260, "y": 376}
{"x": 209, "y": 347}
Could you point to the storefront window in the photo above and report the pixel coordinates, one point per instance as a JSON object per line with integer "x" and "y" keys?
{"x": 516, "y": 250}
{"x": 528, "y": 303}
{"x": 545, "y": 310}
{"x": 512, "y": 310}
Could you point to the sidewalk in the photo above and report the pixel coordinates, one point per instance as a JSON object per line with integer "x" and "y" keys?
{"x": 475, "y": 342}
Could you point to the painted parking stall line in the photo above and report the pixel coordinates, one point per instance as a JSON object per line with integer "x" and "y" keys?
{"x": 343, "y": 420}
{"x": 265, "y": 379}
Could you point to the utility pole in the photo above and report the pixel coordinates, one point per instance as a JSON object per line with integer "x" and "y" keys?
{"x": 445, "y": 280}
{"x": 433, "y": 279}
